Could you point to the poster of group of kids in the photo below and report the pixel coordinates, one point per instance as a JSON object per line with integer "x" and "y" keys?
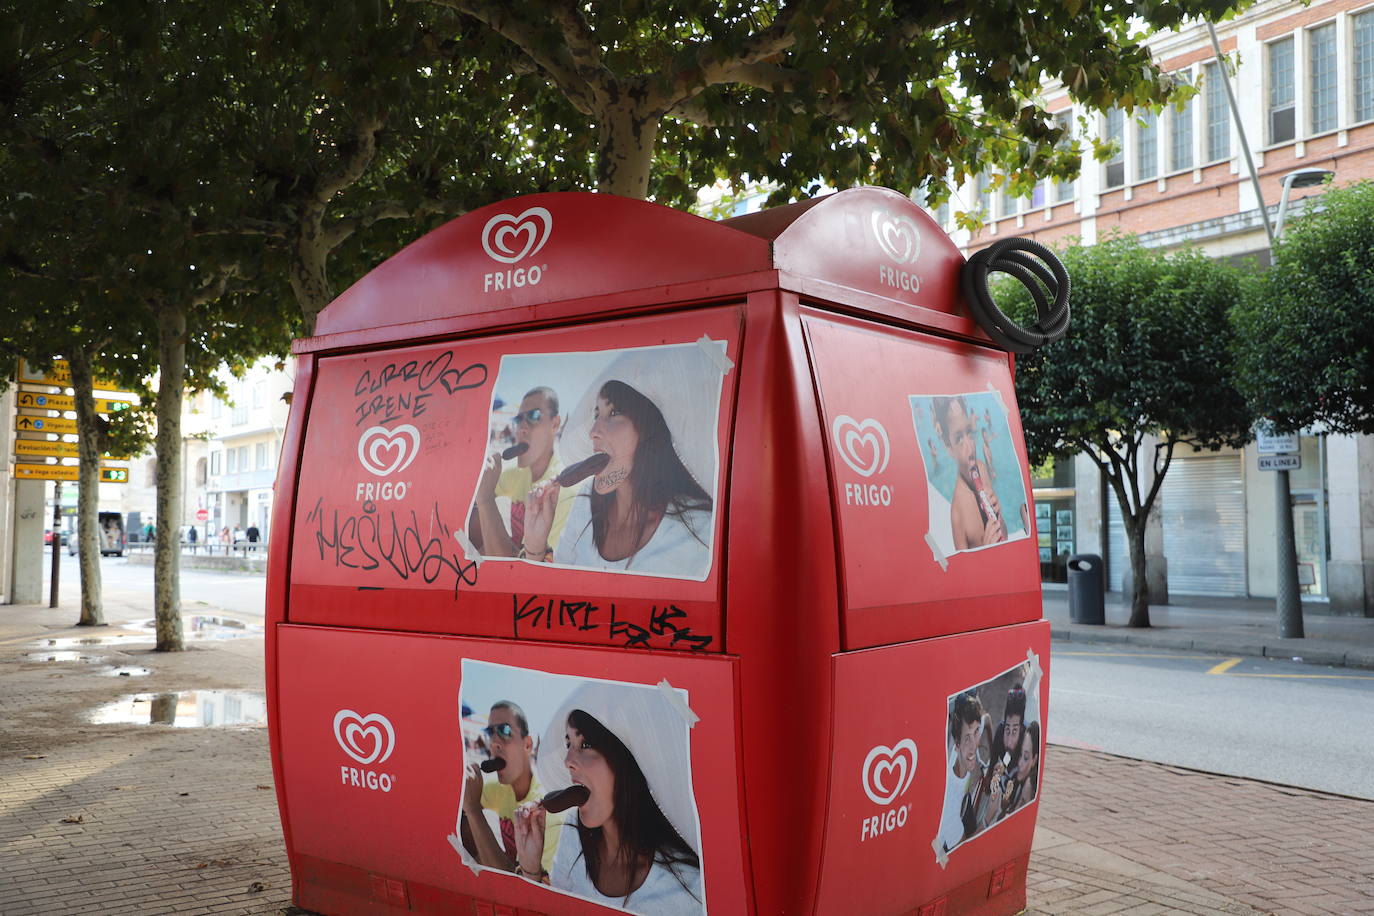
{"x": 994, "y": 741}
{"x": 582, "y": 785}
{"x": 604, "y": 460}
{"x": 977, "y": 495}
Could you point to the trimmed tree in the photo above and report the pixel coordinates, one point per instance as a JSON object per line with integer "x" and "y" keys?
{"x": 812, "y": 92}
{"x": 1147, "y": 359}
{"x": 1305, "y": 331}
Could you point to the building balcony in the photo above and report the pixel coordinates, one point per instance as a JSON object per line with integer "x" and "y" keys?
{"x": 245, "y": 480}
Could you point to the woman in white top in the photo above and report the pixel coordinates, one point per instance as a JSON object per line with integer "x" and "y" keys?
{"x": 644, "y": 512}
{"x": 619, "y": 849}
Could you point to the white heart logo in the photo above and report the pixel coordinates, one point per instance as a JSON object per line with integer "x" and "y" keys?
{"x": 367, "y": 739}
{"x": 888, "y": 771}
{"x": 508, "y": 238}
{"x": 897, "y": 236}
{"x": 863, "y": 445}
{"x": 385, "y": 451}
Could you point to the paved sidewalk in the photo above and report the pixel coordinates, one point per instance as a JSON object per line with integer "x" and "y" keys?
{"x": 150, "y": 819}
{"x": 1224, "y": 626}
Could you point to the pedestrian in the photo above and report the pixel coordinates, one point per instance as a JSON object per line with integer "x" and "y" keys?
{"x": 192, "y": 537}
{"x": 253, "y": 534}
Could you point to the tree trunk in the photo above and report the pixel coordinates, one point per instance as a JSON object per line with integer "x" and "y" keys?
{"x": 87, "y": 491}
{"x": 626, "y": 135}
{"x": 1140, "y": 584}
{"x": 310, "y": 267}
{"x": 171, "y": 353}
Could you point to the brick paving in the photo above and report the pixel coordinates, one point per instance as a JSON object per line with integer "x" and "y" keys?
{"x": 153, "y": 820}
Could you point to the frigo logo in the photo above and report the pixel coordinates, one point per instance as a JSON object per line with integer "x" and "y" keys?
{"x": 887, "y": 774}
{"x": 864, "y": 446}
{"x": 900, "y": 240}
{"x": 512, "y": 238}
{"x": 385, "y": 451}
{"x": 370, "y": 740}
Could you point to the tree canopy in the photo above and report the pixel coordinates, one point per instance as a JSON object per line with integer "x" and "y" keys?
{"x": 1147, "y": 359}
{"x": 806, "y": 93}
{"x": 1305, "y": 333}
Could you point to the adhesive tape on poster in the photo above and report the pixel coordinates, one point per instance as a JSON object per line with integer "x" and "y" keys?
{"x": 470, "y": 551}
{"x": 715, "y": 351}
{"x": 678, "y": 703}
{"x": 941, "y": 857}
{"x": 935, "y": 549}
{"x": 997, "y": 393}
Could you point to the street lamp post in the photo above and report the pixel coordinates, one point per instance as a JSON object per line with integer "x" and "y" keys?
{"x": 1286, "y": 599}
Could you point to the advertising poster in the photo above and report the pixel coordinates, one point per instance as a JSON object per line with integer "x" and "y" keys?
{"x": 604, "y": 460}
{"x": 582, "y": 785}
{"x": 993, "y": 746}
{"x": 977, "y": 496}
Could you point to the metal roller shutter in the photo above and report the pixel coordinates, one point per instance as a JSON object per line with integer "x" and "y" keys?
{"x": 1203, "y": 515}
{"x": 1204, "y": 525}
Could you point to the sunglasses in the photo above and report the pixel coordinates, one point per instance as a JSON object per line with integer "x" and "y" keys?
{"x": 502, "y": 730}
{"x": 529, "y": 417}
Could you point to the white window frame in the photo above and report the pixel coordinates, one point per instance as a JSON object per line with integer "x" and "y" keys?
{"x": 1310, "y": 88}
{"x": 1295, "y": 102}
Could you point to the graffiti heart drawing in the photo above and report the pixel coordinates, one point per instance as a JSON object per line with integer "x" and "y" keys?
{"x": 385, "y": 451}
{"x": 507, "y": 238}
{"x": 897, "y": 236}
{"x": 862, "y": 444}
{"x": 367, "y": 739}
{"x": 888, "y": 771}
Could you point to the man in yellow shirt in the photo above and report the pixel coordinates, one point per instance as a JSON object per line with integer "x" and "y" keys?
{"x": 508, "y": 735}
{"x": 536, "y": 426}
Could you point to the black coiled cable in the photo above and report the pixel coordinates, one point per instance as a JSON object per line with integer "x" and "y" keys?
{"x": 1013, "y": 256}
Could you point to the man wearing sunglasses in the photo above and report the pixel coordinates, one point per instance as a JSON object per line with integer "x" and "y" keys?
{"x": 508, "y": 736}
{"x": 536, "y": 426}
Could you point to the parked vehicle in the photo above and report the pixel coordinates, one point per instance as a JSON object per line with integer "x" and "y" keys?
{"x": 110, "y": 533}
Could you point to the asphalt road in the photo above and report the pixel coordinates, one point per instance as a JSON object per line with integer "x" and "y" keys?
{"x": 202, "y": 591}
{"x": 1280, "y": 721}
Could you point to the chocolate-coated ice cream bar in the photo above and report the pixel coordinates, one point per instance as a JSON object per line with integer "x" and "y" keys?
{"x": 493, "y": 764}
{"x": 515, "y": 451}
{"x": 575, "y": 474}
{"x": 572, "y": 797}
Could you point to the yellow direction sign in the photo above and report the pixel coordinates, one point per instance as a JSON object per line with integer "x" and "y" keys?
{"x": 43, "y": 447}
{"x": 67, "y": 472}
{"x": 44, "y": 425}
{"x": 61, "y": 374}
{"x": 35, "y": 401}
{"x": 45, "y": 472}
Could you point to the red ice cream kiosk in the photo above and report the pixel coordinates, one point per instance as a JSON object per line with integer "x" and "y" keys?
{"x": 728, "y": 524}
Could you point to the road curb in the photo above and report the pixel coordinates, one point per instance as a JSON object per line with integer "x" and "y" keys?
{"x": 1311, "y": 654}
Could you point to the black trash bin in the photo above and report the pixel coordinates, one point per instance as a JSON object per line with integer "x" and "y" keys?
{"x": 1086, "y": 589}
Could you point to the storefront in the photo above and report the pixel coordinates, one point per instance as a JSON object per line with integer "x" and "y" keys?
{"x": 1055, "y": 518}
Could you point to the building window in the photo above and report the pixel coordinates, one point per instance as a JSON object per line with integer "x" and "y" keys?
{"x": 200, "y": 472}
{"x": 231, "y": 462}
{"x": 983, "y": 184}
{"x": 1114, "y": 132}
{"x": 214, "y": 464}
{"x": 1181, "y": 132}
{"x": 942, "y": 213}
{"x": 1217, "y": 113}
{"x": 260, "y": 456}
{"x": 243, "y": 457}
{"x": 1321, "y": 57}
{"x": 1146, "y": 146}
{"x": 259, "y": 392}
{"x": 1363, "y": 44}
{"x": 1006, "y": 204}
{"x": 1064, "y": 190}
{"x": 1282, "y": 115}
{"x": 1037, "y": 196}
{"x": 216, "y": 407}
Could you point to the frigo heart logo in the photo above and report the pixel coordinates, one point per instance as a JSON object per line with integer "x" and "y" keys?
{"x": 888, "y": 771}
{"x": 385, "y": 451}
{"x": 897, "y": 236}
{"x": 863, "y": 445}
{"x": 367, "y": 739}
{"x": 508, "y": 238}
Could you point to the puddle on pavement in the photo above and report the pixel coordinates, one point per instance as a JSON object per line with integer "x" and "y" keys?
{"x": 59, "y": 655}
{"x": 187, "y": 709}
{"x": 202, "y": 626}
{"x": 127, "y": 671}
{"x": 74, "y": 642}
